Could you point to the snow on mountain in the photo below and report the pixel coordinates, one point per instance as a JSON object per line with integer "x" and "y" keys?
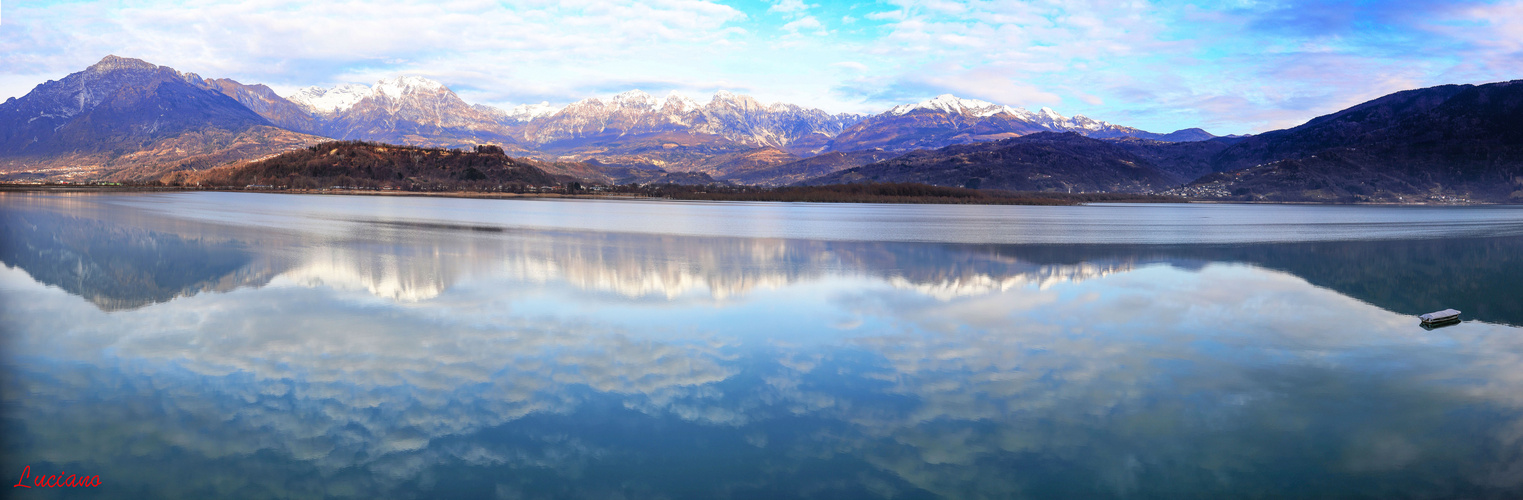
{"x": 951, "y": 104}
{"x": 734, "y": 117}
{"x": 947, "y": 119}
{"x": 1045, "y": 117}
{"x": 678, "y": 103}
{"x": 339, "y": 99}
{"x": 948, "y": 103}
{"x": 328, "y": 101}
{"x": 528, "y": 112}
{"x": 407, "y": 110}
{"x": 633, "y": 99}
{"x": 400, "y": 86}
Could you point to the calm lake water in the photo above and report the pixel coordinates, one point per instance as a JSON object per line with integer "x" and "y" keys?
{"x": 223, "y": 345}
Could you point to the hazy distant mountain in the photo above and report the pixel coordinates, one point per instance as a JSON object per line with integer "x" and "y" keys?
{"x": 1045, "y": 161}
{"x": 126, "y": 118}
{"x": 1446, "y": 142}
{"x": 948, "y": 119}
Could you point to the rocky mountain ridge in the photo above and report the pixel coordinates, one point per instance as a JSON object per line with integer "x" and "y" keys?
{"x": 126, "y": 118}
{"x": 635, "y": 127}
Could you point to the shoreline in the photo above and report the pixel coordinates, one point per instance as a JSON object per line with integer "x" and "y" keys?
{"x": 1056, "y": 198}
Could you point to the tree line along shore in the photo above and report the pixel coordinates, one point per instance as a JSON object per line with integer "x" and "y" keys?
{"x": 836, "y": 193}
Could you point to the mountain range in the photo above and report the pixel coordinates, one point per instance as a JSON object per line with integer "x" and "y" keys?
{"x": 1445, "y": 144}
{"x": 81, "y": 128}
{"x": 126, "y": 119}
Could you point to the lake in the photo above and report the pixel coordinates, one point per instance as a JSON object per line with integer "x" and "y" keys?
{"x": 229, "y": 345}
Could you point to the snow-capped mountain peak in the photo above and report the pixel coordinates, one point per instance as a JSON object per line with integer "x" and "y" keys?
{"x": 528, "y": 112}
{"x": 725, "y": 99}
{"x": 334, "y": 100}
{"x": 403, "y": 85}
{"x": 679, "y": 103}
{"x": 634, "y": 99}
{"x": 341, "y": 98}
{"x": 948, "y": 103}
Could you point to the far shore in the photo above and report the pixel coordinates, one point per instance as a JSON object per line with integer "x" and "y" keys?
{"x": 1037, "y": 198}
{"x": 1040, "y": 199}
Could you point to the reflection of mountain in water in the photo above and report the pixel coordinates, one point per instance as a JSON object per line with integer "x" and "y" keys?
{"x": 639, "y": 266}
{"x": 403, "y": 274}
{"x": 120, "y": 262}
{"x": 120, "y": 267}
{"x": 1194, "y": 381}
{"x": 1479, "y": 276}
{"x": 1149, "y": 398}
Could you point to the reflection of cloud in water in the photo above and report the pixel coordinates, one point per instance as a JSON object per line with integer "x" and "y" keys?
{"x": 290, "y": 369}
{"x": 966, "y": 372}
{"x": 1120, "y": 379}
{"x": 1116, "y": 381}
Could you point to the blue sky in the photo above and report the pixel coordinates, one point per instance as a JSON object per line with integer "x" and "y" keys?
{"x": 1228, "y": 66}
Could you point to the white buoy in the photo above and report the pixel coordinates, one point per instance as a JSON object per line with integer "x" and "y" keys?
{"x": 1441, "y": 316}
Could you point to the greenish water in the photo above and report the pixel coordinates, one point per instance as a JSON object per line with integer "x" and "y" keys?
{"x": 219, "y": 345}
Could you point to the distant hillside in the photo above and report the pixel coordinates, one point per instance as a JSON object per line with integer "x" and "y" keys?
{"x": 1447, "y": 142}
{"x": 1066, "y": 162}
{"x": 374, "y": 165}
{"x": 1184, "y": 160}
{"x": 740, "y": 164}
{"x": 808, "y": 168}
{"x": 264, "y": 101}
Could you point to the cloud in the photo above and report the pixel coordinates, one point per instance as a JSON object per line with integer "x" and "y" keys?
{"x": 805, "y": 23}
{"x": 790, "y": 6}
{"x": 1125, "y": 61}
{"x": 850, "y": 65}
{"x": 1342, "y": 18}
{"x": 957, "y": 358}
{"x": 295, "y": 44}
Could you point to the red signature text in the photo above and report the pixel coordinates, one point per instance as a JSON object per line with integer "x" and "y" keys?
{"x": 59, "y": 480}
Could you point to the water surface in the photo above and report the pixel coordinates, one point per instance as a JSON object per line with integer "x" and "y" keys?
{"x": 205, "y": 345}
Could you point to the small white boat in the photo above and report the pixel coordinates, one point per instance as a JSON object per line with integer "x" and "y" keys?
{"x": 1443, "y": 316}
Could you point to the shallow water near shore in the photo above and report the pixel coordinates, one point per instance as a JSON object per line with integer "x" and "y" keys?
{"x": 234, "y": 345}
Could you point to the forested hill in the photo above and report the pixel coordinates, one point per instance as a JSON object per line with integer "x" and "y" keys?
{"x": 374, "y": 166}
{"x": 1448, "y": 142}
